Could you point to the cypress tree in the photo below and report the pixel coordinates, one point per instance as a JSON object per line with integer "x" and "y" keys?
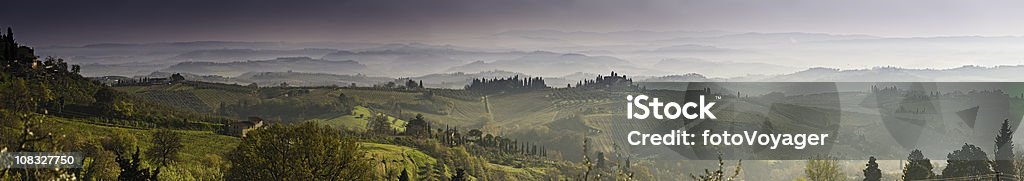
{"x": 918, "y": 167}
{"x": 872, "y": 173}
{"x": 1004, "y": 150}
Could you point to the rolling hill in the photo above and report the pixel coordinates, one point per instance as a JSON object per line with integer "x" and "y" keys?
{"x": 296, "y": 64}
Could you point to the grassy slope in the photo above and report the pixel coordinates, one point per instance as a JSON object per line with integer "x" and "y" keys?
{"x": 410, "y": 159}
{"x": 417, "y": 163}
{"x": 351, "y": 122}
{"x": 197, "y": 143}
{"x": 199, "y": 146}
{"x": 512, "y": 173}
{"x": 354, "y": 122}
{"x": 462, "y": 112}
{"x": 509, "y": 112}
{"x": 212, "y": 97}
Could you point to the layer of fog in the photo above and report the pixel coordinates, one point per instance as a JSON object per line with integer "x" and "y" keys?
{"x": 661, "y": 56}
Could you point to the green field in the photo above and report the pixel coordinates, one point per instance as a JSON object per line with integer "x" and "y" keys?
{"x": 355, "y": 121}
{"x": 499, "y": 111}
{"x": 392, "y": 159}
{"x": 522, "y": 115}
{"x": 202, "y": 151}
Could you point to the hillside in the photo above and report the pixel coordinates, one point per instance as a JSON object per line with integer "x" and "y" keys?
{"x": 417, "y": 59}
{"x": 549, "y": 64}
{"x": 203, "y": 152}
{"x": 232, "y": 55}
{"x": 356, "y": 121}
{"x": 554, "y": 117}
{"x": 297, "y": 64}
{"x": 309, "y": 79}
{"x": 459, "y": 80}
{"x": 202, "y": 155}
{"x": 895, "y": 74}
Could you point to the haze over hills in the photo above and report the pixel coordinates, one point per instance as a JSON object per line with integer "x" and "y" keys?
{"x": 555, "y": 39}
{"x": 299, "y": 64}
{"x": 716, "y": 55}
{"x": 459, "y": 80}
{"x": 636, "y": 35}
{"x": 756, "y": 38}
{"x": 417, "y": 59}
{"x": 892, "y": 74}
{"x": 309, "y": 79}
{"x": 276, "y": 78}
{"x": 550, "y": 64}
{"x": 164, "y": 52}
{"x": 230, "y": 55}
{"x": 691, "y": 48}
{"x": 722, "y": 68}
{"x": 877, "y": 74}
{"x": 691, "y": 77}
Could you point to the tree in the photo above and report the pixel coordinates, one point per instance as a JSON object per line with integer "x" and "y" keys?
{"x": 105, "y": 98}
{"x": 918, "y": 167}
{"x": 16, "y": 59}
{"x": 824, "y": 168}
{"x": 176, "y": 77}
{"x": 105, "y": 95}
{"x": 872, "y": 173}
{"x": 102, "y": 164}
{"x": 76, "y": 69}
{"x": 132, "y": 170}
{"x": 417, "y": 126}
{"x": 23, "y": 96}
{"x": 166, "y": 146}
{"x": 305, "y": 151}
{"x": 1004, "y": 150}
{"x": 968, "y": 161}
{"x": 474, "y": 135}
{"x": 379, "y": 123}
{"x": 347, "y": 104}
{"x": 412, "y": 84}
{"x": 22, "y": 100}
{"x": 124, "y": 108}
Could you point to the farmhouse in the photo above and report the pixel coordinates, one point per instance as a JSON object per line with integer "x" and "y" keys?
{"x": 241, "y": 128}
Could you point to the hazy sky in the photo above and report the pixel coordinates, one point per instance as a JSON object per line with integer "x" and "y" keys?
{"x": 48, "y": 22}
